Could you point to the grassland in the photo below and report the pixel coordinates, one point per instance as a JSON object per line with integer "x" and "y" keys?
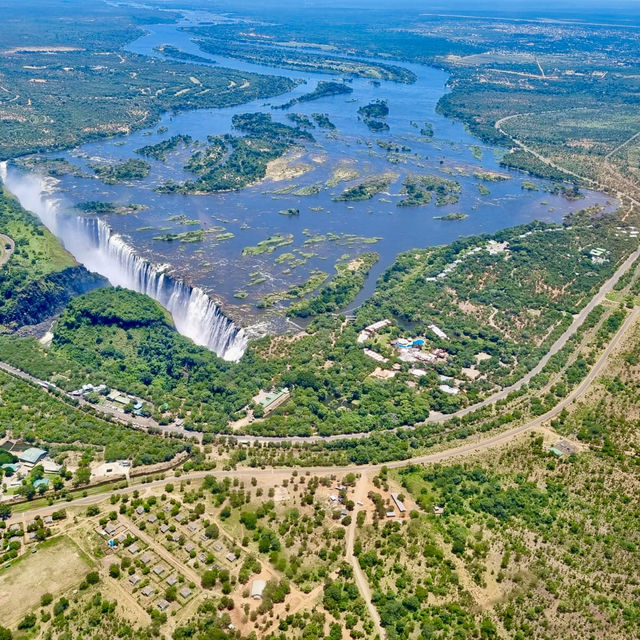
{"x": 58, "y": 565}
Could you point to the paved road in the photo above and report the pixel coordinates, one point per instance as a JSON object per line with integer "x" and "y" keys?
{"x": 146, "y": 424}
{"x": 136, "y": 422}
{"x": 551, "y": 163}
{"x": 441, "y": 456}
{"x": 622, "y": 146}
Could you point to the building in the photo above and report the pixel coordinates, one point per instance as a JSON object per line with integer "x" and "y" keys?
{"x": 14, "y": 467}
{"x": 117, "y": 398}
{"x": 438, "y": 331}
{"x": 399, "y": 504}
{"x": 50, "y": 466}
{"x": 31, "y": 456}
{"x": 163, "y": 605}
{"x": 376, "y": 356}
{"x": 454, "y": 391}
{"x": 367, "y": 332}
{"x": 185, "y": 592}
{"x": 257, "y": 589}
{"x": 564, "y": 448}
{"x": 147, "y": 591}
{"x": 41, "y": 482}
{"x": 271, "y": 400}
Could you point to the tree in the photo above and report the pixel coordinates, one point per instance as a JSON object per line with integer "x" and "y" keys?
{"x": 249, "y": 519}
{"x": 171, "y": 594}
{"x": 92, "y": 577}
{"x": 28, "y": 621}
{"x": 5, "y": 511}
{"x": 209, "y": 578}
{"x": 114, "y": 570}
{"x": 5, "y": 634}
{"x": 82, "y": 476}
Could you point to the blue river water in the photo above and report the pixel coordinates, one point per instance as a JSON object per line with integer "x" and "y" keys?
{"x": 325, "y": 230}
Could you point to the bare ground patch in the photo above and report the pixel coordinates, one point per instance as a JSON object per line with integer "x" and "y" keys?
{"x": 56, "y": 566}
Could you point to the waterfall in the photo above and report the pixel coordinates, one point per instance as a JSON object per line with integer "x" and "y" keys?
{"x": 95, "y": 245}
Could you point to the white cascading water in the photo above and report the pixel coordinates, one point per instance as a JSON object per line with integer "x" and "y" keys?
{"x": 93, "y": 243}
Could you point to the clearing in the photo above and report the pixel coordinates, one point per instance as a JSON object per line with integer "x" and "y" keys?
{"x": 56, "y": 566}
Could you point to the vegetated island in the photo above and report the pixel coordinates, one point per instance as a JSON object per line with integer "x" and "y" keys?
{"x": 159, "y": 150}
{"x": 133, "y": 169}
{"x": 316, "y": 278}
{"x": 300, "y": 61}
{"x": 233, "y": 162}
{"x": 195, "y": 235}
{"x": 367, "y": 189}
{"x": 177, "y": 54}
{"x": 301, "y": 120}
{"x": 371, "y": 114}
{"x": 102, "y": 208}
{"x": 375, "y": 109}
{"x": 341, "y": 290}
{"x": 419, "y": 190}
{"x": 322, "y": 90}
{"x": 54, "y": 167}
{"x": 269, "y": 245}
{"x": 452, "y": 216}
{"x": 322, "y": 120}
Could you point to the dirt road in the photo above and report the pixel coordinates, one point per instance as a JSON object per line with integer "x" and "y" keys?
{"x": 360, "y": 579}
{"x": 7, "y": 247}
{"x": 441, "y": 456}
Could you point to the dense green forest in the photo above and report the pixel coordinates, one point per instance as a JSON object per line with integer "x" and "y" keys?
{"x": 106, "y": 92}
{"x": 233, "y": 162}
{"x": 322, "y": 90}
{"x": 159, "y": 150}
{"x": 40, "y": 417}
{"x": 40, "y": 277}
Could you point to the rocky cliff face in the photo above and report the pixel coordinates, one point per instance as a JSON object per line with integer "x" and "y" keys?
{"x": 42, "y": 299}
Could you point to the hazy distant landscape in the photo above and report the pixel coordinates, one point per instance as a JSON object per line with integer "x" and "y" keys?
{"x": 319, "y": 322}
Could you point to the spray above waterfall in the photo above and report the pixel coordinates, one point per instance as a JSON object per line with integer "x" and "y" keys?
{"x": 92, "y": 242}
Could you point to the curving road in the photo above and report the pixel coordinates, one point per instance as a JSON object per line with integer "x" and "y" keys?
{"x": 441, "y": 456}
{"x": 146, "y": 424}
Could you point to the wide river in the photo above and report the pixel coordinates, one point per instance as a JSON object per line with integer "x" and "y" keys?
{"x": 325, "y": 230}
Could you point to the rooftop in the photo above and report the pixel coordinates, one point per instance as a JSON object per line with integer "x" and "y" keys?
{"x": 257, "y": 588}
{"x": 31, "y": 455}
{"x": 268, "y": 398}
